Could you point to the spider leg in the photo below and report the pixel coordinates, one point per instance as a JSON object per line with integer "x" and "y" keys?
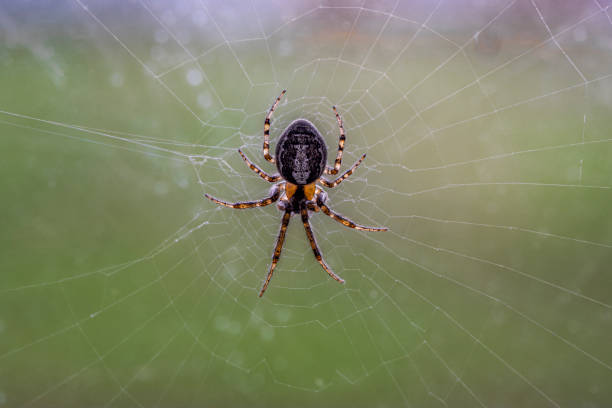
{"x": 274, "y": 195}
{"x": 262, "y": 174}
{"x": 336, "y": 168}
{"x": 312, "y": 206}
{"x": 313, "y": 245}
{"x": 277, "y": 250}
{"x": 343, "y": 220}
{"x": 346, "y": 174}
{"x": 266, "y": 143}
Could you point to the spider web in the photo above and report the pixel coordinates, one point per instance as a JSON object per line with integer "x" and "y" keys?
{"x": 486, "y": 125}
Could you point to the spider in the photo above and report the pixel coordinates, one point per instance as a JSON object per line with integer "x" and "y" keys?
{"x": 301, "y": 157}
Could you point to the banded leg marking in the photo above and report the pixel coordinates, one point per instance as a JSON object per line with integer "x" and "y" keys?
{"x": 266, "y": 143}
{"x": 344, "y": 176}
{"x": 262, "y": 174}
{"x": 314, "y": 246}
{"x": 345, "y": 221}
{"x": 246, "y": 204}
{"x": 277, "y": 250}
{"x": 338, "y": 162}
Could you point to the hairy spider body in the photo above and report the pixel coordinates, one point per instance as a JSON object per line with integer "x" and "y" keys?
{"x": 301, "y": 157}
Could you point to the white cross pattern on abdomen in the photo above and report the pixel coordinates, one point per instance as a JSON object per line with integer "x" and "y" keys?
{"x": 301, "y": 168}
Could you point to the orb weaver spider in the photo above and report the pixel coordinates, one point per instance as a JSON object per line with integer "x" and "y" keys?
{"x": 300, "y": 157}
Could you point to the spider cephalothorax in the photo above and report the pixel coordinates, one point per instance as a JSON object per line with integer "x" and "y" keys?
{"x": 301, "y": 157}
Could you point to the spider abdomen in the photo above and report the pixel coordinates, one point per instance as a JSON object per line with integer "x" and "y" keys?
{"x": 301, "y": 154}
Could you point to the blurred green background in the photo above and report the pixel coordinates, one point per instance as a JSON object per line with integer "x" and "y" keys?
{"x": 487, "y": 128}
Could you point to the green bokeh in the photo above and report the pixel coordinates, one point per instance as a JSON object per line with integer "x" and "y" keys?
{"x": 121, "y": 286}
